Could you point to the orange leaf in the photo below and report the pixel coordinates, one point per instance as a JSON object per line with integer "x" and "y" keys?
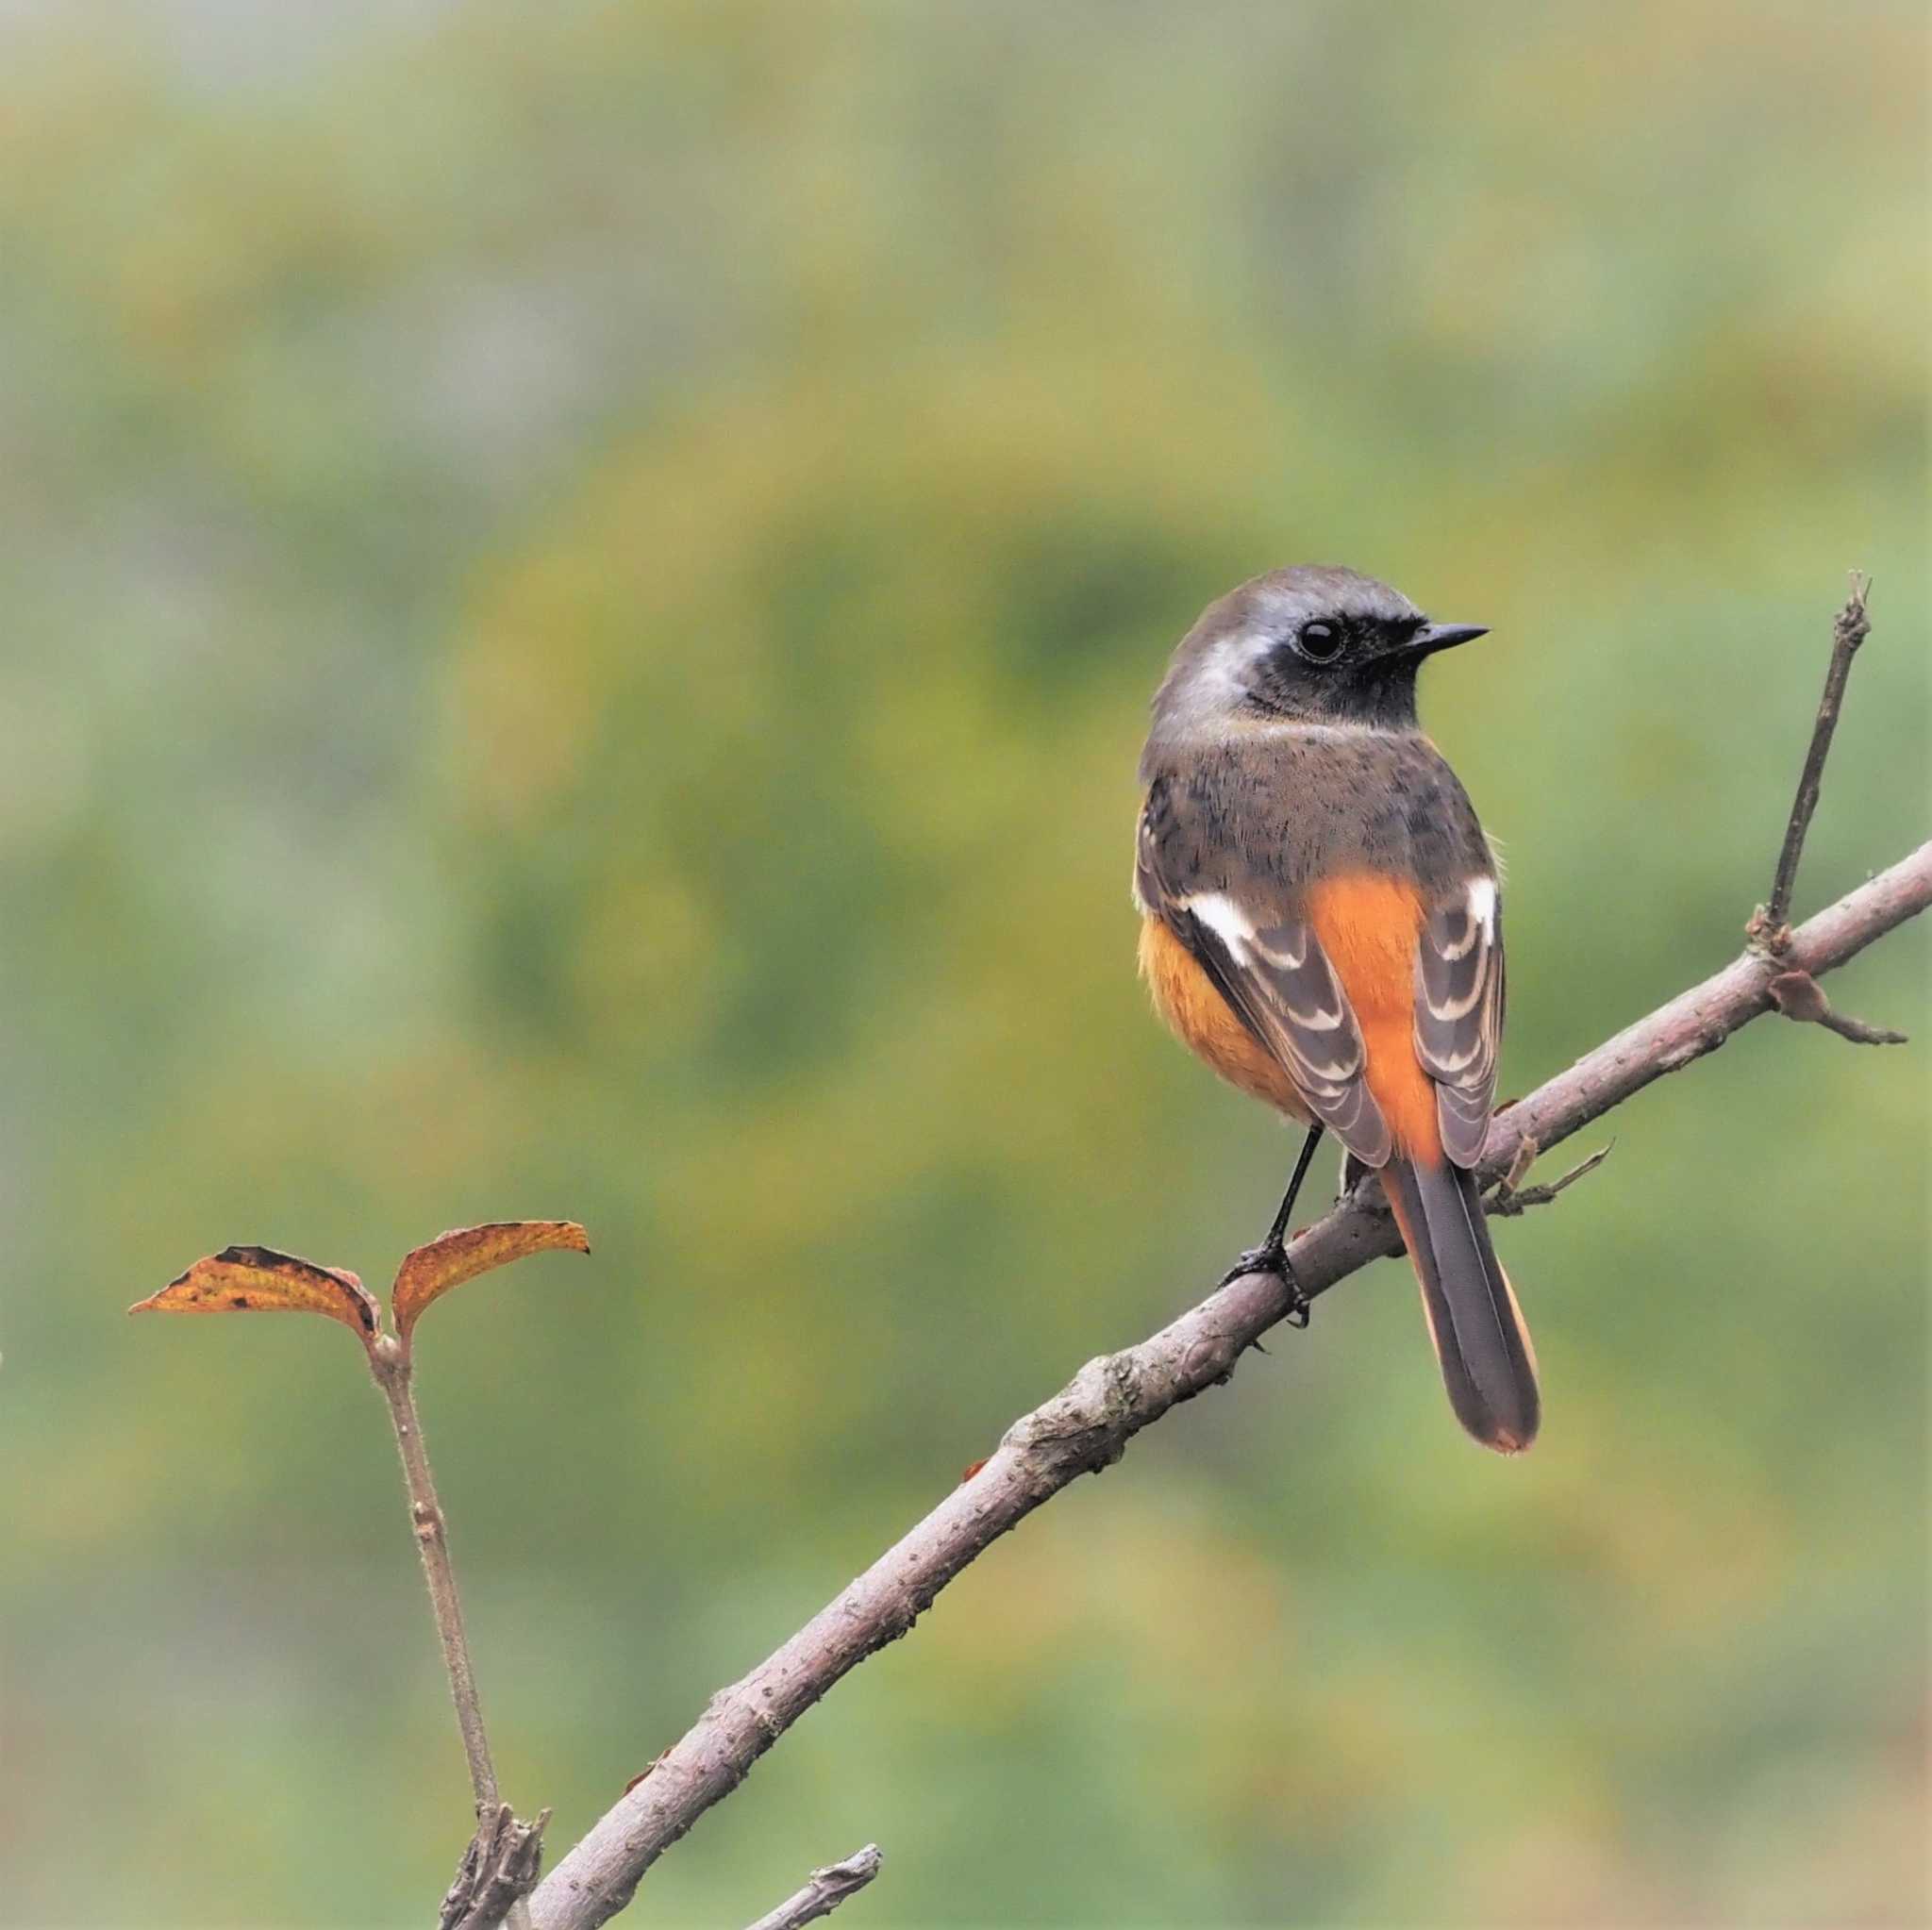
{"x": 257, "y": 1279}
{"x": 430, "y": 1272}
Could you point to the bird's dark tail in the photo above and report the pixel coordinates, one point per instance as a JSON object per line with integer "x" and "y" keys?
{"x": 1488, "y": 1365}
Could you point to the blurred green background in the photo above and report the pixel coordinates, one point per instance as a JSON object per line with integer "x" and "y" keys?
{"x": 580, "y": 588}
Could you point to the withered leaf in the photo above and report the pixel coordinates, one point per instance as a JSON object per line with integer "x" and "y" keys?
{"x": 257, "y": 1279}
{"x": 430, "y": 1271}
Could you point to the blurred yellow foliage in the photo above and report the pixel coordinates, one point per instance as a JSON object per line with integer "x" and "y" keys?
{"x": 581, "y": 593}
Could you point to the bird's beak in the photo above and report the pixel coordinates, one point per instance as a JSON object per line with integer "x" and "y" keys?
{"x": 1437, "y": 637}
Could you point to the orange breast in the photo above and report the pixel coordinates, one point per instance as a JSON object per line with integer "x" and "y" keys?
{"x": 1207, "y": 1025}
{"x": 1368, "y": 924}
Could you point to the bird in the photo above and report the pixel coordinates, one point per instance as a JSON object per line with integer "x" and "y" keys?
{"x": 1321, "y": 922}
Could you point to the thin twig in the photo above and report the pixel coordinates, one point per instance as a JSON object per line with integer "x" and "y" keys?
{"x": 1799, "y": 995}
{"x": 394, "y": 1371}
{"x": 1767, "y": 930}
{"x": 393, "y": 1376}
{"x": 1509, "y": 1198}
{"x": 1086, "y": 1425}
{"x": 828, "y": 1889}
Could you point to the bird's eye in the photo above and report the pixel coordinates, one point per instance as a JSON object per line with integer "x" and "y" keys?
{"x": 1319, "y": 642}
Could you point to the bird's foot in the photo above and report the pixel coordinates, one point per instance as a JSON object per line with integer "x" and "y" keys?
{"x": 1271, "y": 1257}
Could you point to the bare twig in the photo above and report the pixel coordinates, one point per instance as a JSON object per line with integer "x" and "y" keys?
{"x": 1510, "y": 1200}
{"x": 389, "y": 1363}
{"x": 827, "y": 1889}
{"x": 507, "y": 1856}
{"x": 1086, "y": 1425}
{"x": 1798, "y": 995}
{"x": 1767, "y": 930}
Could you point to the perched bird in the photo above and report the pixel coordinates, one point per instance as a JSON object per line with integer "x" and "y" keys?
{"x": 1321, "y": 923}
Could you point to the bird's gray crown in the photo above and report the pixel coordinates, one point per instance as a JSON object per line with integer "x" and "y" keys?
{"x": 1253, "y": 655}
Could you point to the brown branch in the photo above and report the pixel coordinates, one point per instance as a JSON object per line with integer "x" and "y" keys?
{"x": 827, "y": 1889}
{"x": 1767, "y": 930}
{"x": 1086, "y": 1425}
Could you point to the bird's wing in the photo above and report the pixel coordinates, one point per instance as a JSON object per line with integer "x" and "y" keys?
{"x": 1267, "y": 963}
{"x": 1459, "y": 1013}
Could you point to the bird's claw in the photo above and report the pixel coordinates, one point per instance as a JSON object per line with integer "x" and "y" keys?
{"x": 1272, "y": 1259}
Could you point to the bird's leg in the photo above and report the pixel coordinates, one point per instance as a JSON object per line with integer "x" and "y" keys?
{"x": 1271, "y": 1256}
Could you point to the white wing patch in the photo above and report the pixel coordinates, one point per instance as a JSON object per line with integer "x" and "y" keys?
{"x": 1223, "y": 917}
{"x": 1284, "y": 987}
{"x": 1272, "y": 973}
{"x": 1458, "y": 1014}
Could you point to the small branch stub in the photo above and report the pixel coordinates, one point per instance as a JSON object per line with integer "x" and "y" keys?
{"x": 499, "y": 1869}
{"x": 1800, "y": 996}
{"x": 828, "y": 1889}
{"x": 1509, "y": 1198}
